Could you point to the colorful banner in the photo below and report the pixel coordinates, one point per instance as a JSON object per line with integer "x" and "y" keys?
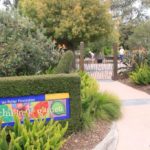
{"x": 55, "y": 106}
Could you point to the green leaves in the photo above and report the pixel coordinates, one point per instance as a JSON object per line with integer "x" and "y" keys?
{"x": 97, "y": 105}
{"x": 65, "y": 63}
{"x": 24, "y": 49}
{"x": 141, "y": 75}
{"x": 3, "y": 141}
{"x": 33, "y": 136}
{"x": 70, "y": 21}
{"x": 141, "y": 36}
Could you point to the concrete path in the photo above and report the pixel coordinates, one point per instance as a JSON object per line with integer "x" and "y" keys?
{"x": 134, "y": 126}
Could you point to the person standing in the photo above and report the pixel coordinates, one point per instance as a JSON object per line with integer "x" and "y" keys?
{"x": 121, "y": 54}
{"x": 92, "y": 56}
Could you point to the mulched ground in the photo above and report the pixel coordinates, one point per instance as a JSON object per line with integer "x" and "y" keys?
{"x": 145, "y": 88}
{"x": 88, "y": 139}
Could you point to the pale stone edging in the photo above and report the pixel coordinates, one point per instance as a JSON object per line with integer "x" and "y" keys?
{"x": 110, "y": 141}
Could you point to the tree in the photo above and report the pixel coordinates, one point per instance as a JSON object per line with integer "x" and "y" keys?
{"x": 130, "y": 13}
{"x": 70, "y": 21}
{"x": 103, "y": 45}
{"x": 10, "y": 3}
{"x": 130, "y": 10}
{"x": 126, "y": 30}
{"x": 24, "y": 49}
{"x": 141, "y": 36}
{"x": 146, "y": 3}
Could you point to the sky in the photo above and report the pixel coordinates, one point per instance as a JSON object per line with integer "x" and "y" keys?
{"x": 138, "y": 3}
{"x": 1, "y": 4}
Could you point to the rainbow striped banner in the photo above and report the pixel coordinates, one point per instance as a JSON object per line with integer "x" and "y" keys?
{"x": 49, "y": 106}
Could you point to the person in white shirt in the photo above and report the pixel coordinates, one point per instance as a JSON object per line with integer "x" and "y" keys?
{"x": 92, "y": 55}
{"x": 121, "y": 53}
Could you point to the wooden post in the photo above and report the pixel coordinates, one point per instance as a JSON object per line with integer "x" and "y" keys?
{"x": 115, "y": 62}
{"x": 82, "y": 56}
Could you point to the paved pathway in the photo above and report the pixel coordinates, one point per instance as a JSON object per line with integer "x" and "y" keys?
{"x": 134, "y": 126}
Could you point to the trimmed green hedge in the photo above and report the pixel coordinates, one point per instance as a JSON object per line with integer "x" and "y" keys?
{"x": 44, "y": 84}
{"x": 65, "y": 63}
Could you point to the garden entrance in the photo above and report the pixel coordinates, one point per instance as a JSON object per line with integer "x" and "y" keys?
{"x": 102, "y": 68}
{"x": 99, "y": 69}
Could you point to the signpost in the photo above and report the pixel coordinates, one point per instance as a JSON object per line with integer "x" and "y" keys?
{"x": 49, "y": 106}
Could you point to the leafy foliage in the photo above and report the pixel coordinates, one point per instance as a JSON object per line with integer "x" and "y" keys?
{"x": 24, "y": 49}
{"x": 33, "y": 136}
{"x": 130, "y": 10}
{"x": 102, "y": 44}
{"x": 148, "y": 57}
{"x": 126, "y": 30}
{"x": 141, "y": 36}
{"x": 108, "y": 51}
{"x": 88, "y": 85}
{"x": 97, "y": 105}
{"x": 65, "y": 63}
{"x": 70, "y": 21}
{"x": 102, "y": 106}
{"x": 141, "y": 75}
{"x": 133, "y": 60}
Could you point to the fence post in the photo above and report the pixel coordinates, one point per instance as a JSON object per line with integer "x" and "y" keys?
{"x": 115, "y": 62}
{"x": 82, "y": 56}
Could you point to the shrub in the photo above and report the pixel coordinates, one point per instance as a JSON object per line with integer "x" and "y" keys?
{"x": 65, "y": 63}
{"x": 107, "y": 106}
{"x": 107, "y": 51}
{"x": 44, "y": 84}
{"x": 33, "y": 136}
{"x": 88, "y": 85}
{"x": 141, "y": 75}
{"x": 97, "y": 105}
{"x": 24, "y": 49}
{"x": 138, "y": 58}
{"x": 148, "y": 57}
{"x": 103, "y": 106}
{"x": 132, "y": 60}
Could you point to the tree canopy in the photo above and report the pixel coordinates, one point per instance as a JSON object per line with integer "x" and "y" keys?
{"x": 70, "y": 21}
{"x": 126, "y": 30}
{"x": 130, "y": 10}
{"x": 130, "y": 14}
{"x": 141, "y": 36}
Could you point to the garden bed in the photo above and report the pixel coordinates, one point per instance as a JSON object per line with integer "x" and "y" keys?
{"x": 87, "y": 140}
{"x": 145, "y": 88}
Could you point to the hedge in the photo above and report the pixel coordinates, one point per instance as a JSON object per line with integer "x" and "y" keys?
{"x": 65, "y": 63}
{"x": 44, "y": 84}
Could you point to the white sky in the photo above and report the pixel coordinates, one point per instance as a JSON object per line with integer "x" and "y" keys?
{"x": 138, "y": 4}
{"x": 1, "y": 4}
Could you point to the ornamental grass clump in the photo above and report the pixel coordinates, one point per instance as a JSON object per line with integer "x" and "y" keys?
{"x": 97, "y": 105}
